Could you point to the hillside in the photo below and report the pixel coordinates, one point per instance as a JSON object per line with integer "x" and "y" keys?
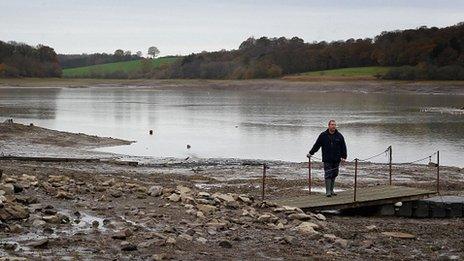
{"x": 127, "y": 69}
{"x": 356, "y": 73}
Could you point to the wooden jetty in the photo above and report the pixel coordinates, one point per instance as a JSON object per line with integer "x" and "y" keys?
{"x": 368, "y": 196}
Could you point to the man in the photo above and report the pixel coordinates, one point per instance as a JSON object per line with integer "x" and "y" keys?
{"x": 333, "y": 152}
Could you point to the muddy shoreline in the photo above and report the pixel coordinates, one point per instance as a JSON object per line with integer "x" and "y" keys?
{"x": 206, "y": 209}
{"x": 327, "y": 85}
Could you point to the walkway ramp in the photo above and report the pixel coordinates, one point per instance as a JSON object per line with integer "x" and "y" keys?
{"x": 369, "y": 196}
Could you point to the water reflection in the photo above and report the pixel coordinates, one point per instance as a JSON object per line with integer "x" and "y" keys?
{"x": 265, "y": 125}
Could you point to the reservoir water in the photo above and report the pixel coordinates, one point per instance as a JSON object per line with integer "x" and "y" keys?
{"x": 247, "y": 124}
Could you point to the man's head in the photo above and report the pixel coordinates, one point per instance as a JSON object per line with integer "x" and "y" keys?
{"x": 332, "y": 126}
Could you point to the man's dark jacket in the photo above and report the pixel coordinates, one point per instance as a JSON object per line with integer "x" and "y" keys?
{"x": 333, "y": 146}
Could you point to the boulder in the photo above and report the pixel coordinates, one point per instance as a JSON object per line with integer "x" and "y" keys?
{"x": 174, "y": 197}
{"x": 155, "y": 191}
{"x": 13, "y": 211}
{"x": 307, "y": 228}
{"x": 299, "y": 216}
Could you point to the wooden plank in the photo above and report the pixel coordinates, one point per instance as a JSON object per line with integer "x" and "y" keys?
{"x": 365, "y": 197}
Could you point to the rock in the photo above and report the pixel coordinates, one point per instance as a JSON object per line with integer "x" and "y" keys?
{"x": 288, "y": 210}
{"x": 202, "y": 240}
{"x": 340, "y": 242}
{"x": 155, "y": 191}
{"x": 8, "y": 189}
{"x": 63, "y": 195}
{"x": 371, "y": 227}
{"x": 15, "y": 228}
{"x": 280, "y": 226}
{"x": 158, "y": 257}
{"x": 320, "y": 217}
{"x": 38, "y": 223}
{"x": 223, "y": 197}
{"x": 299, "y": 216}
{"x": 225, "y": 244}
{"x": 174, "y": 197}
{"x": 13, "y": 211}
{"x": 267, "y": 218}
{"x": 17, "y": 188}
{"x": 171, "y": 241}
{"x": 119, "y": 235}
{"x": 54, "y": 219}
{"x": 200, "y": 214}
{"x": 185, "y": 237}
{"x": 116, "y": 193}
{"x": 307, "y": 228}
{"x": 245, "y": 199}
{"x": 183, "y": 190}
{"x": 232, "y": 204}
{"x": 399, "y": 235}
{"x": 289, "y": 239}
{"x": 126, "y": 246}
{"x": 203, "y": 194}
{"x": 446, "y": 257}
{"x": 42, "y": 243}
{"x": 95, "y": 224}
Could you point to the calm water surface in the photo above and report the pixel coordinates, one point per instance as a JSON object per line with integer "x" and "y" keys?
{"x": 241, "y": 124}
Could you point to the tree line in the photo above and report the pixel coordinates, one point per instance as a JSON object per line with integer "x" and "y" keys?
{"x": 80, "y": 60}
{"x": 431, "y": 53}
{"x": 22, "y": 60}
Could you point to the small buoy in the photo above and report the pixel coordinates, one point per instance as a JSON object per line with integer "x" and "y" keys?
{"x": 31, "y": 124}
{"x": 188, "y": 146}
{"x": 151, "y": 132}
{"x": 398, "y": 204}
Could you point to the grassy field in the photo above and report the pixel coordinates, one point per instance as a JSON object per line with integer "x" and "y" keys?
{"x": 350, "y": 72}
{"x": 107, "y": 68}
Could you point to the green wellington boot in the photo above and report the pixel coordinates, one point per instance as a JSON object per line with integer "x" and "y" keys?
{"x": 332, "y": 186}
{"x": 328, "y": 185}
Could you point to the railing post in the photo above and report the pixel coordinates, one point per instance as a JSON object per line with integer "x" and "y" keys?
{"x": 264, "y": 182}
{"x": 355, "y": 177}
{"x": 438, "y": 171}
{"x": 390, "y": 164}
{"x": 309, "y": 174}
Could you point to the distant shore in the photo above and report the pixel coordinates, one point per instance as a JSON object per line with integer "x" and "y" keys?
{"x": 317, "y": 84}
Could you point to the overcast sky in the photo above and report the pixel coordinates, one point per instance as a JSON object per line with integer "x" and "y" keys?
{"x": 183, "y": 27}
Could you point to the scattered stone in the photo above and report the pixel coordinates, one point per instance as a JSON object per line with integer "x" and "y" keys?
{"x": 95, "y": 224}
{"x": 307, "y": 228}
{"x": 155, "y": 191}
{"x": 299, "y": 216}
{"x": 267, "y": 218}
{"x": 171, "y": 241}
{"x": 15, "y": 228}
{"x": 54, "y": 219}
{"x": 340, "y": 242}
{"x": 174, "y": 197}
{"x": 185, "y": 237}
{"x": 371, "y": 227}
{"x": 63, "y": 195}
{"x": 42, "y": 243}
{"x": 158, "y": 257}
{"x": 399, "y": 235}
{"x": 223, "y": 197}
{"x": 17, "y": 188}
{"x": 116, "y": 193}
{"x": 13, "y": 211}
{"x": 38, "y": 223}
{"x": 225, "y": 244}
{"x": 320, "y": 217}
{"x": 126, "y": 246}
{"x": 202, "y": 240}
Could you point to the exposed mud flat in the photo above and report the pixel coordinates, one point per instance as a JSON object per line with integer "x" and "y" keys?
{"x": 204, "y": 209}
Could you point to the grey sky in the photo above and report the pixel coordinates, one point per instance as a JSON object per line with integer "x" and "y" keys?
{"x": 183, "y": 27}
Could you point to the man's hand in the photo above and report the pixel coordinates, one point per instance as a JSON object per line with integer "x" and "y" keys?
{"x": 343, "y": 160}
{"x": 308, "y": 155}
